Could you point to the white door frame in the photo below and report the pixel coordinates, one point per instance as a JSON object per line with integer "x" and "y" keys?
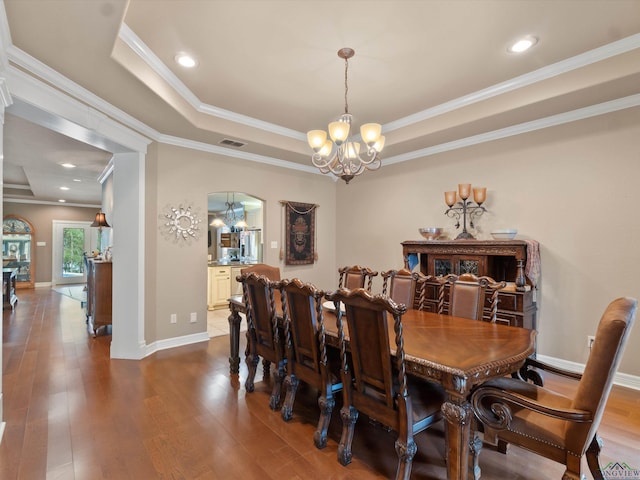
{"x": 90, "y": 242}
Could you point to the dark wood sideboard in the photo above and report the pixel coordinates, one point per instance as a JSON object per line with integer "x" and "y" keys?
{"x": 499, "y": 259}
{"x": 99, "y": 280}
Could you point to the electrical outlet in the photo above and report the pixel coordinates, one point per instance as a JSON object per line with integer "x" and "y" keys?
{"x": 194, "y": 317}
{"x": 174, "y": 318}
{"x": 590, "y": 340}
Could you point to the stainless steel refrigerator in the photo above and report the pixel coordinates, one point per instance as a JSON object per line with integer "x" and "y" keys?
{"x": 251, "y": 245}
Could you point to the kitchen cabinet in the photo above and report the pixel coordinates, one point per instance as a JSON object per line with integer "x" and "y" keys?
{"x": 498, "y": 259}
{"x": 219, "y": 286}
{"x": 236, "y": 287}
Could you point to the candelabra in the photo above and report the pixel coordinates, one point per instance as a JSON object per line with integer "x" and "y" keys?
{"x": 465, "y": 207}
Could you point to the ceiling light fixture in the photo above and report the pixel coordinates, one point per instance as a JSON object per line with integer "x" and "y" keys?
{"x": 64, "y": 188}
{"x": 67, "y": 165}
{"x": 341, "y": 155}
{"x": 523, "y": 44}
{"x": 230, "y": 216}
{"x": 62, "y": 200}
{"x": 186, "y": 60}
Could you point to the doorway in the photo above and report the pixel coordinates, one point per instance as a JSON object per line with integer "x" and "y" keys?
{"x": 69, "y": 243}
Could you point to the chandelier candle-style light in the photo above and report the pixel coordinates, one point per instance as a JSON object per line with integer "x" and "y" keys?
{"x": 465, "y": 206}
{"x": 340, "y": 155}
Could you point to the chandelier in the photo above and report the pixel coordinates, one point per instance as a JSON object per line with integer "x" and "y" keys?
{"x": 230, "y": 216}
{"x": 340, "y": 155}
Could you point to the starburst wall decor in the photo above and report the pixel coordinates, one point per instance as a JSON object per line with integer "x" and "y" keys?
{"x": 180, "y": 224}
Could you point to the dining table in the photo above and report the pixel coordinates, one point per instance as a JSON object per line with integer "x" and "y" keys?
{"x": 455, "y": 352}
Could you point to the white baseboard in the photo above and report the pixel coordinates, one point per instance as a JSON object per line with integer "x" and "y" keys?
{"x": 42, "y": 284}
{"x": 176, "y": 342}
{"x": 622, "y": 379}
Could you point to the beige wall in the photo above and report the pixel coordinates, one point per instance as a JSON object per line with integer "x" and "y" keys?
{"x": 176, "y": 274}
{"x": 41, "y": 217}
{"x": 572, "y": 188}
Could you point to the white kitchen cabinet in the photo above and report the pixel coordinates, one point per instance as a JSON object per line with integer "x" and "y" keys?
{"x": 219, "y": 287}
{"x": 236, "y": 287}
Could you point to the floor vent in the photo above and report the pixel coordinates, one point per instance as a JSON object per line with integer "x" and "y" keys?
{"x": 232, "y": 143}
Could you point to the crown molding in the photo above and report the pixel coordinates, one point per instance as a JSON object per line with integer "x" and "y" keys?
{"x": 253, "y": 157}
{"x": 6, "y": 199}
{"x": 526, "y": 127}
{"x": 146, "y": 54}
{"x": 593, "y": 56}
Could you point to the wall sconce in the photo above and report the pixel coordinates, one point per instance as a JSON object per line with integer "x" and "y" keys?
{"x": 465, "y": 207}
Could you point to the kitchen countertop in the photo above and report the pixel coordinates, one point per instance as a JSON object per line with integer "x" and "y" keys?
{"x": 217, "y": 263}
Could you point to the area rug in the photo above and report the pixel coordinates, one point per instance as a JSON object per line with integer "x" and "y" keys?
{"x": 77, "y": 292}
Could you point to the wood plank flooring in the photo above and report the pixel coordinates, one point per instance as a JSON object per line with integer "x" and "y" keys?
{"x": 73, "y": 413}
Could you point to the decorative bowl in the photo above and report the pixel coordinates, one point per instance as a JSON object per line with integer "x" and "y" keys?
{"x": 430, "y": 233}
{"x": 504, "y": 234}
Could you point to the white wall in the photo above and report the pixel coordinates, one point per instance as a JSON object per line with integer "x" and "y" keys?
{"x": 572, "y": 188}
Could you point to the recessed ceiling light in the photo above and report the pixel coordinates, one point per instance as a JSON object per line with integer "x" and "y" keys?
{"x": 523, "y": 44}
{"x": 186, "y": 60}
{"x": 77, "y": 180}
{"x": 64, "y": 188}
{"x": 62, "y": 200}
{"x": 68, "y": 165}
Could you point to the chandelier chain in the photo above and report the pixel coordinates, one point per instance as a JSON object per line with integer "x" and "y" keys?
{"x": 346, "y": 85}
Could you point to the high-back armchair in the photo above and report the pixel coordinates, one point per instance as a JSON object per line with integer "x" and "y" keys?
{"x": 375, "y": 381}
{"x": 554, "y": 426}
{"x": 467, "y": 295}
{"x": 401, "y": 286}
{"x": 269, "y": 271}
{"x": 264, "y": 336}
{"x": 307, "y": 357}
{"x": 356, "y": 277}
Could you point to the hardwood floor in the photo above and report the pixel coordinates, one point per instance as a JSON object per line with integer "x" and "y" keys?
{"x": 72, "y": 413}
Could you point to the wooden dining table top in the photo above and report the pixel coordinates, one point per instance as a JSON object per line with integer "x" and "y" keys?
{"x": 438, "y": 346}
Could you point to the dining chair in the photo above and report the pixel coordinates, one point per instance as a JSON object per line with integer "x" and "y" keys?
{"x": 552, "y": 425}
{"x": 264, "y": 336}
{"x": 403, "y": 285}
{"x": 308, "y": 359}
{"x": 269, "y": 271}
{"x": 467, "y": 295}
{"x": 356, "y": 277}
{"x": 375, "y": 381}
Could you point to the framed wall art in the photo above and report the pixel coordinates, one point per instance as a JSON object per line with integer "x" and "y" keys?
{"x": 300, "y": 233}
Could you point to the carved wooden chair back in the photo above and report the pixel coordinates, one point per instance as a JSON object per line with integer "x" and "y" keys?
{"x": 467, "y": 295}
{"x": 557, "y": 427}
{"x": 375, "y": 381}
{"x": 307, "y": 356}
{"x": 403, "y": 286}
{"x": 356, "y": 277}
{"x": 269, "y": 271}
{"x": 264, "y": 337}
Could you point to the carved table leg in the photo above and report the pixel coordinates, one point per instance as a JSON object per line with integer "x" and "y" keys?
{"x": 234, "y": 340}
{"x": 459, "y": 418}
{"x": 475, "y": 446}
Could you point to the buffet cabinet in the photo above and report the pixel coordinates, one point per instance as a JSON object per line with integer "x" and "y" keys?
{"x": 502, "y": 260}
{"x": 99, "y": 281}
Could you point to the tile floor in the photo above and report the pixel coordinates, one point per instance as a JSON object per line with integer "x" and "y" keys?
{"x": 218, "y": 323}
